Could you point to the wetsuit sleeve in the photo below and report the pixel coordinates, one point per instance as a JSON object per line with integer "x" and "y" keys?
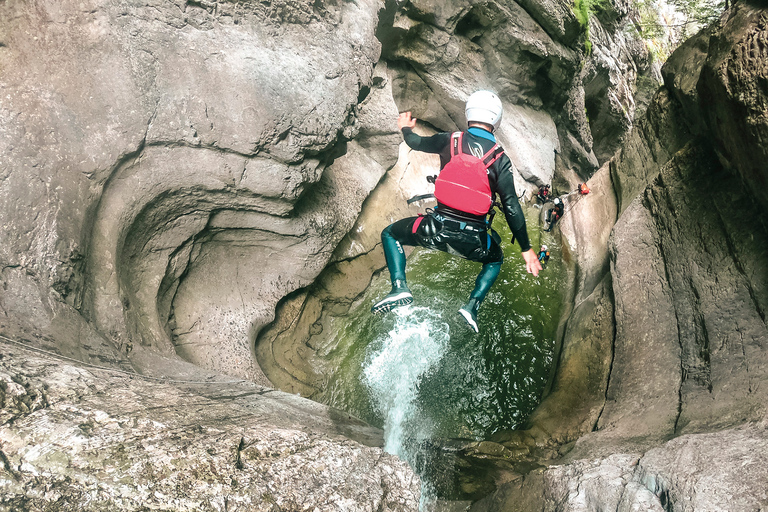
{"x": 438, "y": 143}
{"x": 505, "y": 187}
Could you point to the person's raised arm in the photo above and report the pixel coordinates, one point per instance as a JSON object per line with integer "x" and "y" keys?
{"x": 433, "y": 144}
{"x": 513, "y": 213}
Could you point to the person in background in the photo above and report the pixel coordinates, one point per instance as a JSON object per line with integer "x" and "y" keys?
{"x": 554, "y": 214}
{"x": 474, "y": 169}
{"x": 544, "y": 194}
{"x": 544, "y": 256}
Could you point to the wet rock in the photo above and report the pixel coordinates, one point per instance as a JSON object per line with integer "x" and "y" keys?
{"x": 491, "y": 448}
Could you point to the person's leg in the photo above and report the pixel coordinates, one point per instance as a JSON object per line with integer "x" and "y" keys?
{"x": 394, "y": 254}
{"x": 485, "y": 280}
{"x": 483, "y": 283}
{"x": 392, "y": 239}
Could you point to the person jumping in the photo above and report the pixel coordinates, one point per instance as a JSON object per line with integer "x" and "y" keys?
{"x": 473, "y": 170}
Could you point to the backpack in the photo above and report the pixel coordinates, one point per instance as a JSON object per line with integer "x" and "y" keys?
{"x": 463, "y": 183}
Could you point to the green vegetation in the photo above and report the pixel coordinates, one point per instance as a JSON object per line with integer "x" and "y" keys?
{"x": 583, "y": 9}
{"x": 663, "y": 25}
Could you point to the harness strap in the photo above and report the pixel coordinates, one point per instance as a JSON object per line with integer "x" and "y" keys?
{"x": 456, "y": 146}
{"x": 492, "y": 155}
{"x": 457, "y": 223}
{"x": 417, "y": 223}
{"x": 420, "y": 197}
{"x": 488, "y": 159}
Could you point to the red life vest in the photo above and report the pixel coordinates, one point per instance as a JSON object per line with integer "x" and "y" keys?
{"x": 463, "y": 183}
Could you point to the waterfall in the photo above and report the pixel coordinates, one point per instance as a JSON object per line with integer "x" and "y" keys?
{"x": 398, "y": 363}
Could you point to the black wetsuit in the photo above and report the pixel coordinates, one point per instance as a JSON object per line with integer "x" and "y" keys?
{"x": 454, "y": 231}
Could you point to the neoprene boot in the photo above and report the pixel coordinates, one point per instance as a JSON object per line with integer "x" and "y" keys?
{"x": 469, "y": 312}
{"x": 400, "y": 294}
{"x": 483, "y": 284}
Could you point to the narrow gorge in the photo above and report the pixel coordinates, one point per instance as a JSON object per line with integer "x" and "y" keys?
{"x": 192, "y": 195}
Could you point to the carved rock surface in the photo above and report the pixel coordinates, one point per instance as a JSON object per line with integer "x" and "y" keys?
{"x": 211, "y": 159}
{"x": 171, "y": 170}
{"x": 203, "y": 168}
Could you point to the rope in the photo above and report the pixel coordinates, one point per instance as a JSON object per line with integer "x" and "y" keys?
{"x": 31, "y": 348}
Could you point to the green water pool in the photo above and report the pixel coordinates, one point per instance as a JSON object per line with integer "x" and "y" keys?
{"x": 419, "y": 373}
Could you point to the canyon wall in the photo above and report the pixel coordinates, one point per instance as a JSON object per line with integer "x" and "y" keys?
{"x": 170, "y": 170}
{"x": 174, "y": 169}
{"x": 659, "y": 399}
{"x": 174, "y": 172}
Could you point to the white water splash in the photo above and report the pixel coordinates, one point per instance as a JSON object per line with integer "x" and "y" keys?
{"x": 393, "y": 374}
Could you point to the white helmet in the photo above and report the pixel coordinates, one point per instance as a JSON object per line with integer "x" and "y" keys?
{"x": 544, "y": 247}
{"x": 484, "y": 107}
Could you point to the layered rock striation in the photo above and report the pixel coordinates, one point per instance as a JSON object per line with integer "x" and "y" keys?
{"x": 170, "y": 171}
{"x": 204, "y": 166}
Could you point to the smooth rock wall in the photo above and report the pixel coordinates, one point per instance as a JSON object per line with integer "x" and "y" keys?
{"x": 205, "y": 164}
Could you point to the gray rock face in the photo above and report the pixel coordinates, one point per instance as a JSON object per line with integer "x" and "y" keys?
{"x": 716, "y": 471}
{"x": 584, "y": 367}
{"x": 173, "y": 170}
{"x": 611, "y": 79}
{"x": 170, "y": 171}
{"x": 201, "y": 170}
{"x": 79, "y": 439}
{"x": 683, "y": 407}
{"x": 441, "y": 47}
{"x": 732, "y": 88}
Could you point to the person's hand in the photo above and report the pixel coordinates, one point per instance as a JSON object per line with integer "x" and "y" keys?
{"x": 406, "y": 121}
{"x": 532, "y": 263}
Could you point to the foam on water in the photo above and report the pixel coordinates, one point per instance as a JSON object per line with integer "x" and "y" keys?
{"x": 394, "y": 370}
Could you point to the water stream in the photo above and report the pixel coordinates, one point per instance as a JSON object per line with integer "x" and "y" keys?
{"x": 420, "y": 373}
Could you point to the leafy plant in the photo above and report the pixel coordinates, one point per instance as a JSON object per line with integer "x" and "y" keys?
{"x": 583, "y": 10}
{"x": 664, "y": 24}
